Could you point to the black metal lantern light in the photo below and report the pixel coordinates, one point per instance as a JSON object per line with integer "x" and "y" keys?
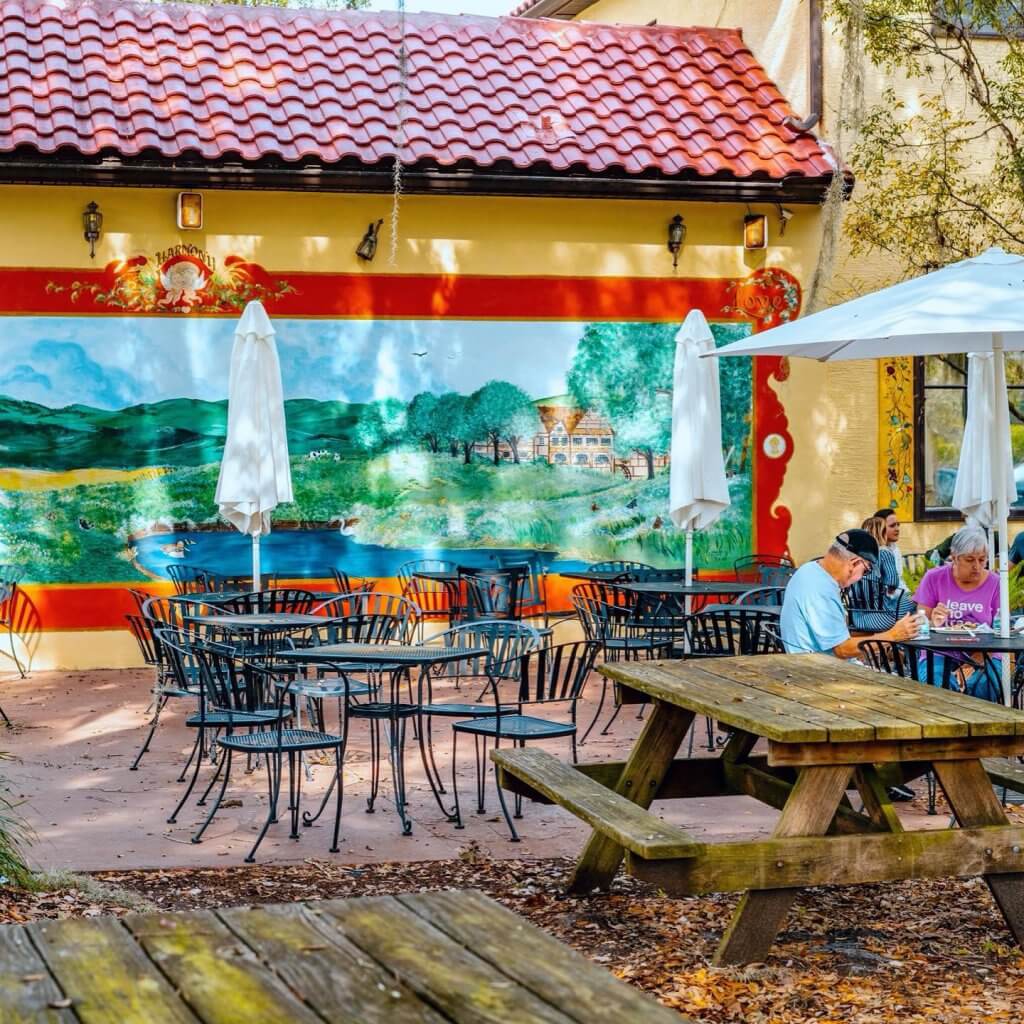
{"x": 676, "y": 237}
{"x": 92, "y": 221}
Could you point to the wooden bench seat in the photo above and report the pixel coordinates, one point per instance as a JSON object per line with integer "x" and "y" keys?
{"x": 633, "y": 828}
{"x": 1005, "y": 771}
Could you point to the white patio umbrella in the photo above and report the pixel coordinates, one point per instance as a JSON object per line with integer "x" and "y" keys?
{"x": 698, "y": 491}
{"x": 255, "y": 475}
{"x": 985, "y": 472}
{"x": 976, "y": 305}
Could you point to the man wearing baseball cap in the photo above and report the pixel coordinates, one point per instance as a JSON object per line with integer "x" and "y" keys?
{"x": 813, "y": 619}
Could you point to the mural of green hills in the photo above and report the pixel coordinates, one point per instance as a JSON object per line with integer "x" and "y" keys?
{"x": 176, "y": 432}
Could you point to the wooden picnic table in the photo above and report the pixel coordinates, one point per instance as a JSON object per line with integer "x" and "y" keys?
{"x": 827, "y": 723}
{"x": 424, "y": 958}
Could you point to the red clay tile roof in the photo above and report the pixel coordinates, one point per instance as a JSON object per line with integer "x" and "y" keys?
{"x": 97, "y": 77}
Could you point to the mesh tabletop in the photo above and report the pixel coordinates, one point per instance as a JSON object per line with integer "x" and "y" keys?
{"x": 390, "y": 654}
{"x": 258, "y": 620}
{"x": 697, "y": 589}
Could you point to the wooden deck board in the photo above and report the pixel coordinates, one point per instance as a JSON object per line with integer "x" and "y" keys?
{"x": 437, "y": 958}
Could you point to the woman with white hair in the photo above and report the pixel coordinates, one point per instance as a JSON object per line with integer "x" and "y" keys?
{"x": 963, "y": 592}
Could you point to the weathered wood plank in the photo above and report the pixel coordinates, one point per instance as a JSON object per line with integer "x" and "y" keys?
{"x": 893, "y": 715}
{"x": 453, "y": 979}
{"x": 603, "y": 809}
{"x": 217, "y": 975}
{"x": 973, "y": 801}
{"x": 837, "y": 860}
{"x": 760, "y": 784}
{"x": 549, "y": 969}
{"x": 760, "y": 914}
{"x": 98, "y": 964}
{"x": 338, "y": 980}
{"x": 961, "y": 705}
{"x": 877, "y": 804}
{"x": 886, "y": 751}
{"x": 26, "y": 987}
{"x": 948, "y": 703}
{"x": 858, "y": 724}
{"x": 654, "y": 750}
{"x": 696, "y": 686}
{"x": 1005, "y": 772}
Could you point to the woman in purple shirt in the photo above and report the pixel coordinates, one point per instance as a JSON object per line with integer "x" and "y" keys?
{"x": 963, "y": 592}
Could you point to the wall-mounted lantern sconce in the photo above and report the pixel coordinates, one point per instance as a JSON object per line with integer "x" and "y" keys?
{"x": 190, "y": 211}
{"x": 785, "y": 216}
{"x": 676, "y": 237}
{"x": 755, "y": 231}
{"x": 92, "y": 221}
{"x": 367, "y": 248}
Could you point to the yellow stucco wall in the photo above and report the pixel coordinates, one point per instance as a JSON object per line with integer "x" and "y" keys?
{"x": 831, "y": 483}
{"x": 299, "y": 232}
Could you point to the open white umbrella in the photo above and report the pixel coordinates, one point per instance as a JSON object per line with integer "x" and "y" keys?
{"x": 255, "y": 475}
{"x": 698, "y": 491}
{"x": 976, "y": 305}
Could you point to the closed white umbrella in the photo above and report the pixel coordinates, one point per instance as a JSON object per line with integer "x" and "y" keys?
{"x": 255, "y": 475}
{"x": 985, "y": 473}
{"x": 698, "y": 491}
{"x": 976, "y": 305}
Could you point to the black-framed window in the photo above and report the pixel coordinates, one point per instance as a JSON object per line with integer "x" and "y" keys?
{"x": 963, "y": 15}
{"x": 940, "y": 411}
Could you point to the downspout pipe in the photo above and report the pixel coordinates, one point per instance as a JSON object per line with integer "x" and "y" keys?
{"x": 815, "y": 43}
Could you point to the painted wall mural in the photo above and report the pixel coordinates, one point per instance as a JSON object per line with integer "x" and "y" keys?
{"x": 424, "y": 434}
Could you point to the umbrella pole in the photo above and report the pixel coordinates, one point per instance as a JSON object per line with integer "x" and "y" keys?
{"x": 1003, "y": 421}
{"x": 257, "y": 575}
{"x": 688, "y": 572}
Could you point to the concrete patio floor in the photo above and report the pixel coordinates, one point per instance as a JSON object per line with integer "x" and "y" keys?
{"x": 75, "y": 735}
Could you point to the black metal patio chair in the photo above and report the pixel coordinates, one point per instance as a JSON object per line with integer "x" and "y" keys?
{"x": 547, "y": 677}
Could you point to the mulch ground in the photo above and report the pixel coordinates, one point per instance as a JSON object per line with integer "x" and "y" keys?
{"x": 915, "y": 951}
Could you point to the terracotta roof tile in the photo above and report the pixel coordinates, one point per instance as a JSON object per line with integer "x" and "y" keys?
{"x": 100, "y": 75}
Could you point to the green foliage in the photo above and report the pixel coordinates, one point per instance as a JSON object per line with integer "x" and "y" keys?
{"x": 14, "y": 834}
{"x": 942, "y": 179}
{"x": 381, "y": 423}
{"x": 501, "y": 410}
{"x": 624, "y": 372}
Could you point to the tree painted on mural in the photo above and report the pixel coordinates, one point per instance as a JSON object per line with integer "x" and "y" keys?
{"x": 423, "y": 421}
{"x": 924, "y": 194}
{"x": 502, "y": 411}
{"x": 624, "y": 372}
{"x": 381, "y": 425}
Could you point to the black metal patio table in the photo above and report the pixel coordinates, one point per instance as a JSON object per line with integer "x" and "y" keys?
{"x": 392, "y": 660}
{"x": 956, "y": 642}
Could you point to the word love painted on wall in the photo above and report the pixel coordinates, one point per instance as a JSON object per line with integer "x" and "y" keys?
{"x": 181, "y": 279}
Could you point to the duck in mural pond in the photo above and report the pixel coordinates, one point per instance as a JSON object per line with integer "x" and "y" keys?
{"x": 176, "y": 550}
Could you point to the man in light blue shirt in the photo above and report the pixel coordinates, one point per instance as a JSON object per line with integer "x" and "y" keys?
{"x": 813, "y": 619}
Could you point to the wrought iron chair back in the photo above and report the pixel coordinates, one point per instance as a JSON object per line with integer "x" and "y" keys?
{"x": 489, "y": 594}
{"x": 751, "y": 567}
{"x": 765, "y": 597}
{"x": 730, "y": 632}
{"x": 269, "y": 602}
{"x": 618, "y": 565}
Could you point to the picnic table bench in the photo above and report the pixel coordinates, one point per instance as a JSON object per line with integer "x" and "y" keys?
{"x": 427, "y": 958}
{"x": 827, "y": 724}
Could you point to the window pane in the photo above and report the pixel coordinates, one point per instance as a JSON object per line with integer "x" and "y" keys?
{"x": 946, "y": 369}
{"x": 943, "y": 433}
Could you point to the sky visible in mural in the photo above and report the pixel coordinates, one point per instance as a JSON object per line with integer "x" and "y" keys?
{"x": 114, "y": 362}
